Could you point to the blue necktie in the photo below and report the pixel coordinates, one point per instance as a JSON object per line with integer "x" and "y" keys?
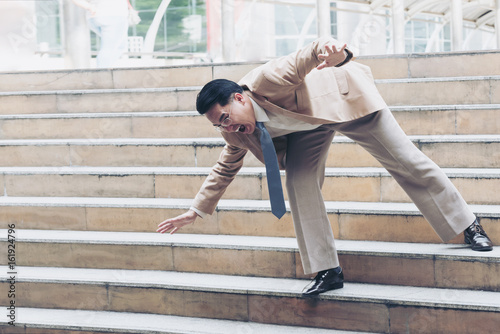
{"x": 272, "y": 171}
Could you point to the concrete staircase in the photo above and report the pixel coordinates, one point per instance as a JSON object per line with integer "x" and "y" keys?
{"x": 93, "y": 160}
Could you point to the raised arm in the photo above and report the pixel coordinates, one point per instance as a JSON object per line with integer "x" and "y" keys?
{"x": 286, "y": 73}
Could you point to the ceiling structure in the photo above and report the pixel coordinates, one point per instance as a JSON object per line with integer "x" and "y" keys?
{"x": 383, "y": 26}
{"x": 481, "y": 13}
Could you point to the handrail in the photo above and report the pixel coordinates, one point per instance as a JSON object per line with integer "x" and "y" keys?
{"x": 155, "y": 54}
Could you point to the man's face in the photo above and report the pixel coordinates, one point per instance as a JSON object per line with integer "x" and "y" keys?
{"x": 238, "y": 114}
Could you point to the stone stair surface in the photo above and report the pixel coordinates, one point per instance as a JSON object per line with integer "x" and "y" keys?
{"x": 93, "y": 160}
{"x": 256, "y": 299}
{"x": 412, "y": 264}
{"x": 58, "y": 321}
{"x": 415, "y": 120}
{"x": 477, "y": 185}
{"x": 448, "y": 151}
{"x": 467, "y": 90}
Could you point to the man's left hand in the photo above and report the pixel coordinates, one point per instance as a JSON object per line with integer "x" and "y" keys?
{"x": 332, "y": 57}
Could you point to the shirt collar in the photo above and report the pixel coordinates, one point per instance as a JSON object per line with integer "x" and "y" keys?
{"x": 260, "y": 113}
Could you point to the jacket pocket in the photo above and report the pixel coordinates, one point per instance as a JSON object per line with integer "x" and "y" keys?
{"x": 341, "y": 78}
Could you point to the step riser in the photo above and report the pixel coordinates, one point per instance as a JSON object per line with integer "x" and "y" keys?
{"x": 336, "y": 188}
{"x": 334, "y": 314}
{"x": 424, "y": 272}
{"x": 446, "y": 122}
{"x": 154, "y": 127}
{"x": 432, "y": 65}
{"x": 485, "y": 91}
{"x": 57, "y": 80}
{"x": 441, "y": 92}
{"x": 122, "y": 78}
{"x": 459, "y": 122}
{"x": 20, "y": 329}
{"x": 347, "y": 226}
{"x": 98, "y": 102}
{"x": 379, "y": 318}
{"x": 342, "y": 154}
{"x": 144, "y": 300}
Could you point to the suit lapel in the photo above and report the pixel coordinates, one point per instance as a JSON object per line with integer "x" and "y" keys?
{"x": 271, "y": 107}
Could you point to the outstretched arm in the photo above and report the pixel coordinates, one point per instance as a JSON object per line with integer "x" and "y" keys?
{"x": 222, "y": 174}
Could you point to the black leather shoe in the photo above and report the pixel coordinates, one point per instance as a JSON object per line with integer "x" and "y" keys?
{"x": 326, "y": 280}
{"x": 477, "y": 238}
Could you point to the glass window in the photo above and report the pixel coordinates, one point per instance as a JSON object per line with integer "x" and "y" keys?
{"x": 48, "y": 26}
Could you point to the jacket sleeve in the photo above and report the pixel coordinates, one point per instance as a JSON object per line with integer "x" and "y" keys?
{"x": 288, "y": 71}
{"x": 223, "y": 173}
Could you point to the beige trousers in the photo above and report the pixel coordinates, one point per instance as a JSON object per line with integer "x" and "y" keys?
{"x": 429, "y": 188}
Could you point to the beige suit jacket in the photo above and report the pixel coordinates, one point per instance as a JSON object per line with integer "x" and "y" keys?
{"x": 293, "y": 87}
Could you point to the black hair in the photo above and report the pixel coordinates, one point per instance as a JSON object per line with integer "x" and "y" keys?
{"x": 216, "y": 91}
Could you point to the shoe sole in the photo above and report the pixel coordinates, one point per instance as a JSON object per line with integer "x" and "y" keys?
{"x": 482, "y": 249}
{"x": 335, "y": 286}
{"x": 479, "y": 249}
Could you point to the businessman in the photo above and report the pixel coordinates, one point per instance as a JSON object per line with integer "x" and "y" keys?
{"x": 300, "y": 101}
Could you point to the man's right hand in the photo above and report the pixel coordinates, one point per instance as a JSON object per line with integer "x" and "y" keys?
{"x": 332, "y": 56}
{"x": 172, "y": 225}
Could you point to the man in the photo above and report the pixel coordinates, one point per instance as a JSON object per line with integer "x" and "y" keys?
{"x": 301, "y": 100}
{"x": 109, "y": 20}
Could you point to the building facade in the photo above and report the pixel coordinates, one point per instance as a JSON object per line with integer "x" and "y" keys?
{"x": 53, "y": 33}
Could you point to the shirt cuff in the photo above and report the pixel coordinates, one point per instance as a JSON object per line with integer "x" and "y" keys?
{"x": 347, "y": 59}
{"x": 198, "y": 212}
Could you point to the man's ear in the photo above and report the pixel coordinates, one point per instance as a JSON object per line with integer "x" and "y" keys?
{"x": 239, "y": 98}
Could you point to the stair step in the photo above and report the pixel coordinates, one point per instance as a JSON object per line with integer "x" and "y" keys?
{"x": 80, "y": 270}
{"x": 415, "y": 120}
{"x": 430, "y": 265}
{"x": 349, "y": 220}
{"x": 461, "y": 151}
{"x": 444, "y": 64}
{"x": 441, "y": 64}
{"x": 263, "y": 300}
{"x": 117, "y": 78}
{"x": 99, "y": 100}
{"x": 106, "y": 125}
{"x": 460, "y": 119}
{"x": 90, "y": 322}
{"x": 466, "y": 90}
{"x": 477, "y": 186}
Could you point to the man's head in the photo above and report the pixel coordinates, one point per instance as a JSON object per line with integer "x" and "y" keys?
{"x": 216, "y": 91}
{"x": 227, "y": 106}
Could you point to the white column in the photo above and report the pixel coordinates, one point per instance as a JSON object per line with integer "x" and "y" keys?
{"x": 497, "y": 22}
{"x": 456, "y": 25}
{"x": 228, "y": 35}
{"x": 214, "y": 46}
{"x": 323, "y": 17}
{"x": 149, "y": 40}
{"x": 398, "y": 25}
{"x": 76, "y": 36}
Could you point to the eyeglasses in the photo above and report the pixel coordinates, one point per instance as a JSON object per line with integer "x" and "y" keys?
{"x": 225, "y": 123}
